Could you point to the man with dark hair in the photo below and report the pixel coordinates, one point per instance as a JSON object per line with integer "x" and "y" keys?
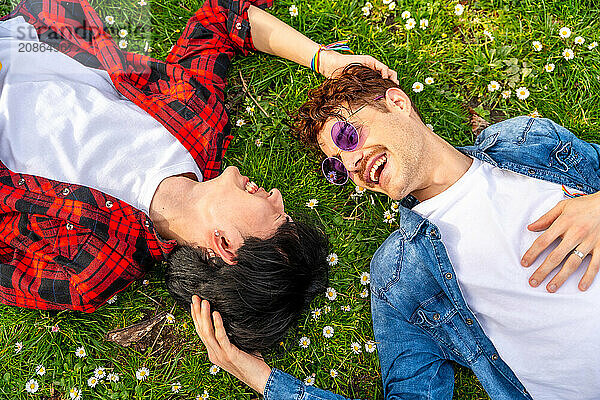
{"x": 110, "y": 161}
{"x": 449, "y": 284}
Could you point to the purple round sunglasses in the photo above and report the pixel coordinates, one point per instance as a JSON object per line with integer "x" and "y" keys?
{"x": 346, "y": 138}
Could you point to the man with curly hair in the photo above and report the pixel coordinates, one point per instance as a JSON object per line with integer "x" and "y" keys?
{"x": 450, "y": 284}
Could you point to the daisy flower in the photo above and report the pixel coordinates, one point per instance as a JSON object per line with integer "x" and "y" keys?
{"x": 549, "y": 67}
{"x": 123, "y": 44}
{"x": 593, "y": 45}
{"x": 429, "y": 80}
{"x": 388, "y": 217}
{"x": 293, "y": 10}
{"x": 18, "y": 347}
{"x": 387, "y": 1}
{"x": 365, "y": 278}
{"x": 459, "y": 9}
{"x": 203, "y": 396}
{"x": 145, "y": 282}
{"x": 113, "y": 377}
{"x": 331, "y": 293}
{"x": 326, "y": 309}
{"x": 345, "y": 308}
{"x": 92, "y": 381}
{"x": 356, "y": 349}
{"x": 123, "y": 33}
{"x": 366, "y": 11}
{"x": 423, "y": 24}
{"x": 405, "y": 14}
{"x": 579, "y": 40}
{"x": 359, "y": 189}
{"x": 304, "y": 342}
{"x": 392, "y": 6}
{"x": 522, "y": 93}
{"x": 250, "y": 110}
{"x": 537, "y": 46}
{"x": 328, "y": 331}
{"x": 430, "y": 127}
{"x": 535, "y": 114}
{"x": 316, "y": 313}
{"x": 55, "y": 329}
{"x": 564, "y": 32}
{"x": 370, "y": 346}
{"x": 417, "y": 87}
{"x": 333, "y": 373}
{"x": 506, "y": 94}
{"x": 170, "y": 318}
{"x": 365, "y": 293}
{"x": 40, "y": 370}
{"x": 142, "y": 373}
{"x": 142, "y": 3}
{"x": 214, "y": 369}
{"x": 309, "y": 380}
{"x": 489, "y": 35}
{"x": 312, "y": 203}
{"x": 32, "y": 386}
{"x": 112, "y": 300}
{"x": 100, "y": 373}
{"x": 395, "y": 206}
{"x": 240, "y": 122}
{"x": 258, "y": 143}
{"x": 568, "y": 54}
{"x": 109, "y": 19}
{"x": 75, "y": 394}
{"x": 332, "y": 259}
{"x": 176, "y": 387}
{"x": 410, "y": 24}
{"x": 369, "y": 5}
{"x": 80, "y": 352}
{"x": 493, "y": 86}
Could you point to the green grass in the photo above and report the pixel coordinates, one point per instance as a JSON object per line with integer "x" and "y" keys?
{"x": 462, "y": 60}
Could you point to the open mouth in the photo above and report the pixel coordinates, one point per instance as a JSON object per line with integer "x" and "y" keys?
{"x": 377, "y": 166}
{"x": 251, "y": 187}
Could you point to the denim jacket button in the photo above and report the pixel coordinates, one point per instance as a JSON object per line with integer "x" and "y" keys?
{"x": 436, "y": 317}
{"x": 448, "y": 275}
{"x": 494, "y": 357}
{"x": 469, "y": 321}
{"x": 579, "y": 186}
{"x": 531, "y": 171}
{"x": 434, "y": 234}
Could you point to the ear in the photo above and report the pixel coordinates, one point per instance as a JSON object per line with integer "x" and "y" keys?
{"x": 398, "y": 101}
{"x": 225, "y": 247}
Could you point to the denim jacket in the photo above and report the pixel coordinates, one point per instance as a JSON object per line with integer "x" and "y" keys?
{"x": 421, "y": 320}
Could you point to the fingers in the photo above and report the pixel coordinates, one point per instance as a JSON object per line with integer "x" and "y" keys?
{"x": 590, "y": 273}
{"x": 551, "y": 262}
{"x": 220, "y": 333}
{"x": 547, "y": 219}
{"x": 540, "y": 244}
{"x": 569, "y": 267}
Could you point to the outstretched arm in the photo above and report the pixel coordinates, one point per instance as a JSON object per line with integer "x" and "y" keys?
{"x": 273, "y": 36}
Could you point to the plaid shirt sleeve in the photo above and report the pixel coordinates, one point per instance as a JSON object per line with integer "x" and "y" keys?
{"x": 185, "y": 93}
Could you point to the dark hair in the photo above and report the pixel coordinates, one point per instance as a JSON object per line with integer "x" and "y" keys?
{"x": 265, "y": 292}
{"x": 355, "y": 86}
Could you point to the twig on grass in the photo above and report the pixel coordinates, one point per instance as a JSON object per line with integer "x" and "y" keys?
{"x": 252, "y": 97}
{"x": 152, "y": 351}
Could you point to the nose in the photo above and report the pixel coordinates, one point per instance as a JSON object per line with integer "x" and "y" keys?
{"x": 277, "y": 199}
{"x": 232, "y": 170}
{"x": 351, "y": 159}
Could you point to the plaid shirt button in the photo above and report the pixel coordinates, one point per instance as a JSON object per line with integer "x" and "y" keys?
{"x": 69, "y": 226}
{"x": 238, "y": 26}
{"x": 65, "y": 191}
{"x": 21, "y": 182}
{"x": 147, "y": 223}
{"x": 108, "y": 204}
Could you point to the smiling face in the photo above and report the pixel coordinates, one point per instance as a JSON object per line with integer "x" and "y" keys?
{"x": 387, "y": 158}
{"x": 241, "y": 204}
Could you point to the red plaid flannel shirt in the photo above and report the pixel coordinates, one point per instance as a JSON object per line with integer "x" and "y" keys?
{"x": 65, "y": 246}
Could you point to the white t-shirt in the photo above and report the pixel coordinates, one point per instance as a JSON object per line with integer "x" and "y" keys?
{"x": 64, "y": 121}
{"x": 550, "y": 340}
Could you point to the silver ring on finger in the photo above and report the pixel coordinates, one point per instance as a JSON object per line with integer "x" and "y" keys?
{"x": 579, "y": 254}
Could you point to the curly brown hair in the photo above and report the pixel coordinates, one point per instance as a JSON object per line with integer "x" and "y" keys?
{"x": 356, "y": 86}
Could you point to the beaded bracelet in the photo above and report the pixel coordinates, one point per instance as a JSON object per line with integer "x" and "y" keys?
{"x": 340, "y": 45}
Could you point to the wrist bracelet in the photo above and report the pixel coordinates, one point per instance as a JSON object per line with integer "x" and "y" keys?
{"x": 340, "y": 45}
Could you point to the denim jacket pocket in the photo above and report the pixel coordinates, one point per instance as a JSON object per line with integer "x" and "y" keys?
{"x": 440, "y": 319}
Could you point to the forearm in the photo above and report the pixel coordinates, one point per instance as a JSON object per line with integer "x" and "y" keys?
{"x": 273, "y": 36}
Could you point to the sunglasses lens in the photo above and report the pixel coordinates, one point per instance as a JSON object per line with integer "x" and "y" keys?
{"x": 334, "y": 171}
{"x": 344, "y": 136}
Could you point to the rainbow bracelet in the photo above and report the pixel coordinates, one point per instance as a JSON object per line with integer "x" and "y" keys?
{"x": 340, "y": 45}
{"x": 571, "y": 195}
